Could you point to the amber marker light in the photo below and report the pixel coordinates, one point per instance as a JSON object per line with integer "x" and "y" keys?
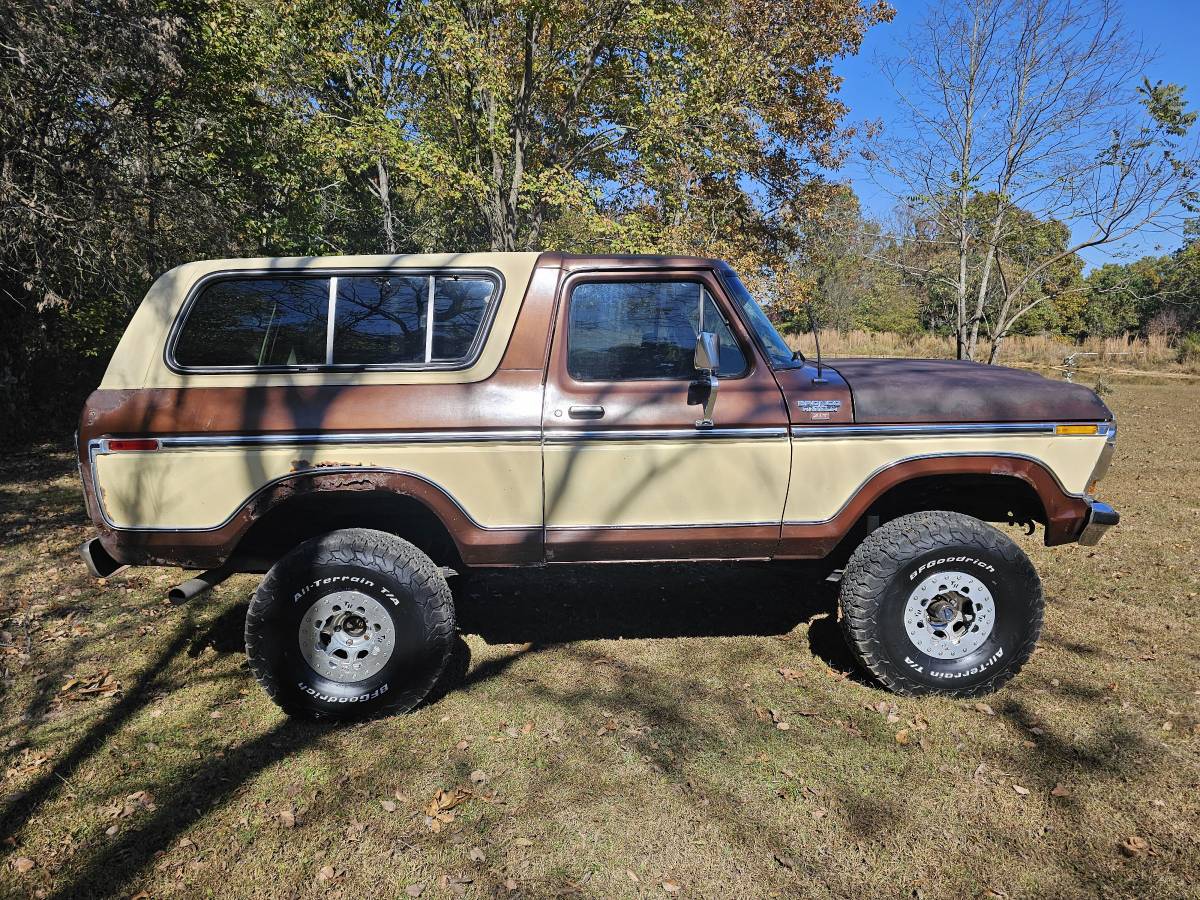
{"x": 1076, "y": 429}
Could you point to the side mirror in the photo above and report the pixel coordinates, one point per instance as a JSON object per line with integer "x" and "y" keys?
{"x": 708, "y": 358}
{"x": 708, "y": 352}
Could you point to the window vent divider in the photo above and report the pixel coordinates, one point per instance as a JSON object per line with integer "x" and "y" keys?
{"x": 429, "y": 323}
{"x": 330, "y": 322}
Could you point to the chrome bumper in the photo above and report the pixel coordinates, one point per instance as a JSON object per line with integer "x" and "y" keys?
{"x": 1101, "y": 517}
{"x": 97, "y": 560}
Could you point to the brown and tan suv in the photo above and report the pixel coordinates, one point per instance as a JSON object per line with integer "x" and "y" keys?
{"x": 358, "y": 426}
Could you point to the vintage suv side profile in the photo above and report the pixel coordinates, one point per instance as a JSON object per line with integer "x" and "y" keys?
{"x": 358, "y": 427}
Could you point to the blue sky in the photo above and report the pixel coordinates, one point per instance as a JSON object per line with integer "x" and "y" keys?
{"x": 1169, "y": 29}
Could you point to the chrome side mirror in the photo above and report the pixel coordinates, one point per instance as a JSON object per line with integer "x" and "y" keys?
{"x": 708, "y": 352}
{"x": 707, "y": 360}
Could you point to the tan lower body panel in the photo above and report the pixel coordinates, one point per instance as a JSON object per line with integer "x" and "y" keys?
{"x": 498, "y": 484}
{"x": 648, "y": 483}
{"x": 827, "y": 472}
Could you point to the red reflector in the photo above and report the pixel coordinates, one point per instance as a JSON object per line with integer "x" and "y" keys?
{"x": 133, "y": 444}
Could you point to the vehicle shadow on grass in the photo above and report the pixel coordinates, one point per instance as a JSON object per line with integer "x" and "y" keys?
{"x": 651, "y": 600}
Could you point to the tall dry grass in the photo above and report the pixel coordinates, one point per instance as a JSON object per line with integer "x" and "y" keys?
{"x": 1157, "y": 352}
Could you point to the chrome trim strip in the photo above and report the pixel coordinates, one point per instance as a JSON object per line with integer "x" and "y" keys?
{"x": 969, "y": 428}
{"x": 896, "y": 462}
{"x": 216, "y": 441}
{"x": 566, "y": 435}
{"x": 806, "y": 431}
{"x": 556, "y": 528}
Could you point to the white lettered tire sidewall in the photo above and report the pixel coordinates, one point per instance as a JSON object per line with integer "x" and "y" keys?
{"x": 401, "y": 579}
{"x": 882, "y": 575}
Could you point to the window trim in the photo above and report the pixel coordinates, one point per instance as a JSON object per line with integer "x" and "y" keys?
{"x": 332, "y": 273}
{"x": 650, "y": 277}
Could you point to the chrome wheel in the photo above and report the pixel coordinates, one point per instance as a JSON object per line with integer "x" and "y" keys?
{"x": 346, "y": 636}
{"x": 949, "y": 615}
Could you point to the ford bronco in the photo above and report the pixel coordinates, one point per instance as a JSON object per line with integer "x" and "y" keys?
{"x": 361, "y": 427}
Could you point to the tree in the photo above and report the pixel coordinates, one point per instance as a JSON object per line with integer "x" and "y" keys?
{"x": 646, "y": 124}
{"x": 1033, "y": 101}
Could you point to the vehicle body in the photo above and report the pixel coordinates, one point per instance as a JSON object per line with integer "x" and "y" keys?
{"x": 553, "y": 414}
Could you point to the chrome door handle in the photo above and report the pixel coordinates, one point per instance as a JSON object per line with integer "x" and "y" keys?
{"x": 586, "y": 412}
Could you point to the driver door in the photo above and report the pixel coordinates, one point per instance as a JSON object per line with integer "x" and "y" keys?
{"x": 630, "y": 474}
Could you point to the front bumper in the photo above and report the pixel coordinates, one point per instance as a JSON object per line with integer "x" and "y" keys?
{"x": 1101, "y": 517}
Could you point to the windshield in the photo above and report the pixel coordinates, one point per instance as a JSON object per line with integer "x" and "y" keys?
{"x": 778, "y": 352}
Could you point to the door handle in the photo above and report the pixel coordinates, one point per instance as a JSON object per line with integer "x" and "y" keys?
{"x": 586, "y": 412}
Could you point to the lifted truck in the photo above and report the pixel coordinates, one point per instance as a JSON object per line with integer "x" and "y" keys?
{"x": 355, "y": 426}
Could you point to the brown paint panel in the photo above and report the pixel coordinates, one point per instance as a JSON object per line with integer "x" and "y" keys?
{"x": 1065, "y": 515}
{"x": 565, "y": 545}
{"x": 953, "y": 390}
{"x": 802, "y": 385}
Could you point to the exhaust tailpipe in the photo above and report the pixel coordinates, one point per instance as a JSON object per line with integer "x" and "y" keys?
{"x": 194, "y": 587}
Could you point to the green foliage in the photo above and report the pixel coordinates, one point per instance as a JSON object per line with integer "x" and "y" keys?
{"x": 138, "y": 135}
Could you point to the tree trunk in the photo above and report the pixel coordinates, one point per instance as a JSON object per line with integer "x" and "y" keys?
{"x": 386, "y": 217}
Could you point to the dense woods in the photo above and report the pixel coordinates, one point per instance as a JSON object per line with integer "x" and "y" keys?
{"x": 135, "y": 135}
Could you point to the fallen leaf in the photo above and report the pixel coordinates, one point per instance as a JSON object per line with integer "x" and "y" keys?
{"x": 789, "y": 674}
{"x": 526, "y": 728}
{"x": 287, "y": 819}
{"x": 325, "y": 873}
{"x": 786, "y": 861}
{"x": 23, "y": 864}
{"x": 1060, "y": 790}
{"x": 902, "y": 736}
{"x": 388, "y": 805}
{"x": 1134, "y": 845}
{"x": 1023, "y": 791}
{"x": 632, "y": 876}
{"x": 985, "y": 709}
{"x": 112, "y": 829}
{"x": 671, "y": 887}
{"x": 782, "y": 726}
{"x": 462, "y": 745}
{"x": 414, "y": 890}
{"x": 476, "y": 855}
{"x": 523, "y": 842}
{"x": 510, "y": 884}
{"x": 478, "y": 776}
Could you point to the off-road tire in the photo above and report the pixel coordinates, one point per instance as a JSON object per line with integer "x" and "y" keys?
{"x": 403, "y": 580}
{"x": 878, "y": 582}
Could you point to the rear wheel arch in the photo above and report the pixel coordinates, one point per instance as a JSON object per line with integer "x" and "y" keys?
{"x": 311, "y": 504}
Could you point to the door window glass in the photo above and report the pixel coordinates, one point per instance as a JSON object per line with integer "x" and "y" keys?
{"x": 624, "y": 331}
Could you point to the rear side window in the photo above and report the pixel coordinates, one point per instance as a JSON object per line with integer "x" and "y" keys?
{"x": 256, "y": 322}
{"x": 633, "y": 331}
{"x": 381, "y": 319}
{"x": 353, "y": 321}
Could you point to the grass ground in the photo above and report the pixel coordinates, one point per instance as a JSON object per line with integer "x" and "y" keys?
{"x": 620, "y": 732}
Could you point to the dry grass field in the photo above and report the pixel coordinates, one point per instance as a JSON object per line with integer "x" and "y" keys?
{"x": 1120, "y": 355}
{"x": 656, "y": 731}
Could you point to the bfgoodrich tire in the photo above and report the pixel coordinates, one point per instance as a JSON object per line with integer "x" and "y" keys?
{"x": 939, "y": 602}
{"x": 350, "y": 624}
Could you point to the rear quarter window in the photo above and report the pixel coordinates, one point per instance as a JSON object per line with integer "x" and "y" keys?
{"x": 342, "y": 321}
{"x": 267, "y": 322}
